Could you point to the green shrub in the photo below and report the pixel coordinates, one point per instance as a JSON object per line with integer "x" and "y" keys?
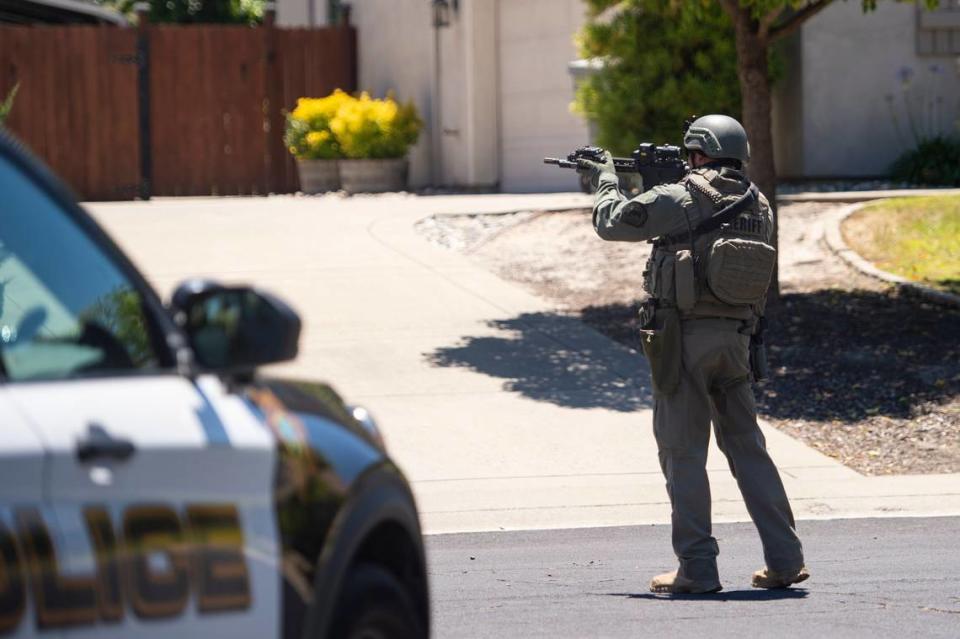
{"x": 934, "y": 162}
{"x": 195, "y": 11}
{"x": 663, "y": 61}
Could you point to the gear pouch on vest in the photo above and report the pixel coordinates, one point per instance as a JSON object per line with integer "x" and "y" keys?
{"x": 739, "y": 270}
{"x": 662, "y": 345}
{"x": 661, "y": 276}
{"x": 685, "y": 280}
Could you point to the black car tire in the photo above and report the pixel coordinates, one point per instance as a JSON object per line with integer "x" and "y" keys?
{"x": 374, "y": 605}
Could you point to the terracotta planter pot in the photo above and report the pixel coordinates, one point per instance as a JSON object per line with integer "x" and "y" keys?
{"x": 318, "y": 176}
{"x": 373, "y": 176}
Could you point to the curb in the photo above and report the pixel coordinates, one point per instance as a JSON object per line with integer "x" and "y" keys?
{"x": 837, "y": 245}
{"x": 852, "y": 197}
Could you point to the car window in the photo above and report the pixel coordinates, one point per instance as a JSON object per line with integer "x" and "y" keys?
{"x": 65, "y": 308}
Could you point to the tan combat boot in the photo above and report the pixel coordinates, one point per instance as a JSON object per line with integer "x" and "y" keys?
{"x": 767, "y": 578}
{"x": 672, "y": 583}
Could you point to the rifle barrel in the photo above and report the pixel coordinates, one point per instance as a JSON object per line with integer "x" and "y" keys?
{"x": 622, "y": 165}
{"x": 563, "y": 164}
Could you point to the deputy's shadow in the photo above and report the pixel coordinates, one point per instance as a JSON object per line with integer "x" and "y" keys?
{"x": 842, "y": 355}
{"x": 777, "y": 594}
{"x": 834, "y": 355}
{"x": 554, "y": 358}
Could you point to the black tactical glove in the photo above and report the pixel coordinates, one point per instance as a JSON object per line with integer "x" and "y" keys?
{"x": 596, "y": 169}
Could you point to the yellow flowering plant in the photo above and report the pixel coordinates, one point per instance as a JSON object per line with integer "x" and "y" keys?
{"x": 308, "y": 135}
{"x": 341, "y": 125}
{"x": 371, "y": 128}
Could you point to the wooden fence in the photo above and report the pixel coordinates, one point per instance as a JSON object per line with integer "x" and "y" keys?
{"x": 168, "y": 110}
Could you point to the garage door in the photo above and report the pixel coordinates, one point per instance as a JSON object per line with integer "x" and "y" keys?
{"x": 535, "y": 40}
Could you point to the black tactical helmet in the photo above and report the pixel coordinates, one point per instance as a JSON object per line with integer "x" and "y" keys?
{"x": 718, "y": 137}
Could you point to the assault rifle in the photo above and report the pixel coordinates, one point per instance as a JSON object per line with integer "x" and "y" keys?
{"x": 656, "y": 164}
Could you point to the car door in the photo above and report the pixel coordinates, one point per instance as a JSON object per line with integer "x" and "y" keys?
{"x": 24, "y": 515}
{"x": 160, "y": 485}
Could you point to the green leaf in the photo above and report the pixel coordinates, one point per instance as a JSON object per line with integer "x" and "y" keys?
{"x": 664, "y": 61}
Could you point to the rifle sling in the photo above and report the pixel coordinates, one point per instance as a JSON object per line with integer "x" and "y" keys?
{"x": 724, "y": 216}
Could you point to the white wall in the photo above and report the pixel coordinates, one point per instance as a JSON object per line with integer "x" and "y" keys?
{"x": 395, "y": 52}
{"x": 296, "y": 13}
{"x": 482, "y": 99}
{"x": 788, "y": 109}
{"x": 450, "y": 163}
{"x": 535, "y": 46}
{"x": 851, "y": 63}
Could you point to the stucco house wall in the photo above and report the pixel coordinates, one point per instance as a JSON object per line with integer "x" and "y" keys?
{"x": 854, "y": 83}
{"x": 302, "y": 13}
{"x": 396, "y": 53}
{"x": 535, "y": 41}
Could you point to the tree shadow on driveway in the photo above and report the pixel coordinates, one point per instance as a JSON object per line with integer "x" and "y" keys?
{"x": 554, "y": 358}
{"x": 842, "y": 355}
{"x": 847, "y": 355}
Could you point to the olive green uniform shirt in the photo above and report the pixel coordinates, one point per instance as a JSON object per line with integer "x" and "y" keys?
{"x": 658, "y": 211}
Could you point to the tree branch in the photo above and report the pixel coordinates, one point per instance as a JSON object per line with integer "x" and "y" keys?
{"x": 767, "y": 21}
{"x": 731, "y": 7}
{"x": 794, "y": 21}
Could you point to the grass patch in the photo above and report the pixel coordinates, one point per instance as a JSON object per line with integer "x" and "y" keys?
{"x": 917, "y": 238}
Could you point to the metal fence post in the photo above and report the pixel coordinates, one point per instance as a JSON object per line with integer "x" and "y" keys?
{"x": 273, "y": 125}
{"x": 143, "y": 97}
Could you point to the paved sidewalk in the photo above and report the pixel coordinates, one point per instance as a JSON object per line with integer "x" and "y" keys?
{"x": 504, "y": 413}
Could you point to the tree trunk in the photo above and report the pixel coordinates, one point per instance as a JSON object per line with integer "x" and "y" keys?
{"x": 752, "y": 49}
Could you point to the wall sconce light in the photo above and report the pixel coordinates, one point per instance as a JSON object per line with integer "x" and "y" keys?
{"x": 442, "y": 12}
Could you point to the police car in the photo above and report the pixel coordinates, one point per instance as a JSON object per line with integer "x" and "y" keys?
{"x": 151, "y": 485}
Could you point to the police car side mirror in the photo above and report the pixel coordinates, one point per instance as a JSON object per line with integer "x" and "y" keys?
{"x": 234, "y": 329}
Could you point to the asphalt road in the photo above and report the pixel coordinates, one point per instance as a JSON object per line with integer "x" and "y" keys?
{"x": 870, "y": 578}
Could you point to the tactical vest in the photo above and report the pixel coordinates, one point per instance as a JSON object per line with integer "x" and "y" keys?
{"x": 722, "y": 273}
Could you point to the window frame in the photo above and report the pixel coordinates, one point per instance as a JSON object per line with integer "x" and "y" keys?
{"x": 934, "y": 26}
{"x": 167, "y": 340}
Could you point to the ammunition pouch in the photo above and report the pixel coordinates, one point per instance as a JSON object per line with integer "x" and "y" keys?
{"x": 685, "y": 280}
{"x": 739, "y": 270}
{"x": 662, "y": 343}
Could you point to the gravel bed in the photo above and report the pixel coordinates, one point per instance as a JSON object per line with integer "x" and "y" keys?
{"x": 467, "y": 232}
{"x": 862, "y": 372}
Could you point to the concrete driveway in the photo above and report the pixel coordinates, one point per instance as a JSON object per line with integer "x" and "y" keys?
{"x": 504, "y": 413}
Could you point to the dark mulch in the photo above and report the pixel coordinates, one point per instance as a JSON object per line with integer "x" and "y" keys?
{"x": 849, "y": 355}
{"x": 869, "y": 377}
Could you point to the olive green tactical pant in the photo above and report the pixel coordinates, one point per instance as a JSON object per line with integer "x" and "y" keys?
{"x": 715, "y": 384}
